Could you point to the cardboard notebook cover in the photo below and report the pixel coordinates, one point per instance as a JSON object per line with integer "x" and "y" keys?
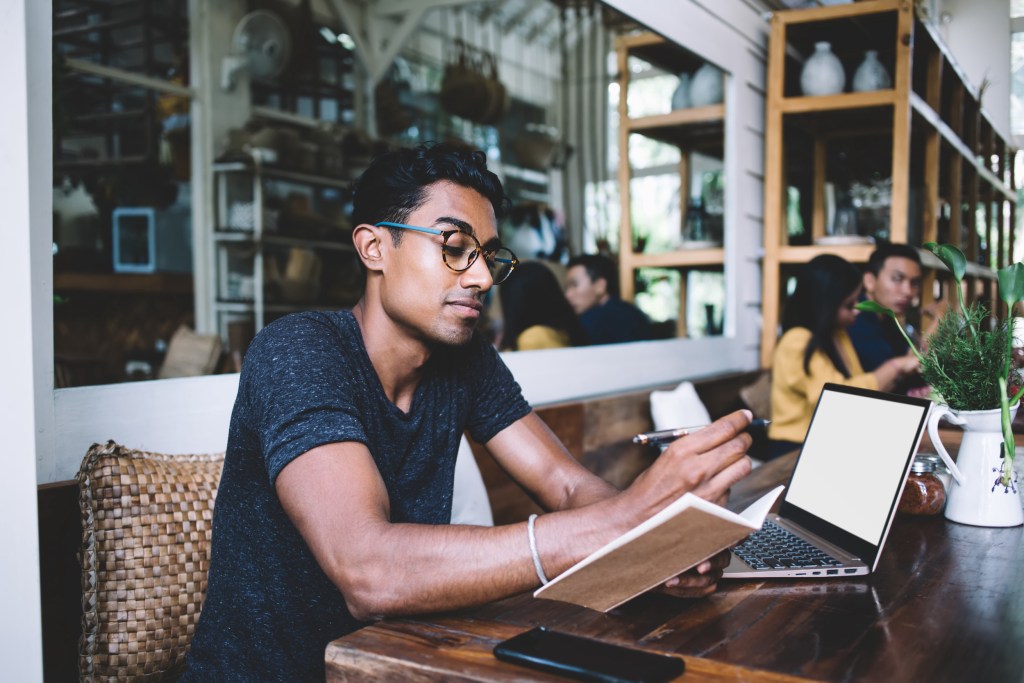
{"x": 678, "y": 538}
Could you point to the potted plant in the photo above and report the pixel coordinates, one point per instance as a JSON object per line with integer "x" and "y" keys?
{"x": 967, "y": 362}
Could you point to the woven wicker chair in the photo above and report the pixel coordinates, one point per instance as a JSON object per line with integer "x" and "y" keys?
{"x": 146, "y": 521}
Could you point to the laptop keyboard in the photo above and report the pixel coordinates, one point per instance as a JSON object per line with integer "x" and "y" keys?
{"x": 773, "y": 547}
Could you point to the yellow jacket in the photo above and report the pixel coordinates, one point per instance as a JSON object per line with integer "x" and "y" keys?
{"x": 542, "y": 337}
{"x": 795, "y": 392}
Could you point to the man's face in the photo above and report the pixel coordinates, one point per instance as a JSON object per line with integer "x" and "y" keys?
{"x": 419, "y": 293}
{"x": 582, "y": 292}
{"x": 897, "y": 285}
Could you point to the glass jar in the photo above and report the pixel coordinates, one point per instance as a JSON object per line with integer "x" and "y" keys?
{"x": 940, "y": 469}
{"x": 924, "y": 493}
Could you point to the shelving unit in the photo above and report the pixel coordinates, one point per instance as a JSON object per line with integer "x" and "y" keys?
{"x": 282, "y": 244}
{"x": 694, "y": 129}
{"x": 150, "y": 283}
{"x": 927, "y": 138}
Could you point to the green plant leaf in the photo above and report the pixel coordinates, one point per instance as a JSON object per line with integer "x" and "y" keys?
{"x": 1011, "y": 284}
{"x": 951, "y": 256}
{"x": 868, "y": 306}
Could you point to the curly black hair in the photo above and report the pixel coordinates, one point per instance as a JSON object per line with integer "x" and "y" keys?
{"x": 395, "y": 183}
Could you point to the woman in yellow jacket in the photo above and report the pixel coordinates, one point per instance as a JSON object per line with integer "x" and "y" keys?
{"x": 535, "y": 311}
{"x": 815, "y": 349}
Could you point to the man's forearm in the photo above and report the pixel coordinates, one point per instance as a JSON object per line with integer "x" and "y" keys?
{"x": 411, "y": 568}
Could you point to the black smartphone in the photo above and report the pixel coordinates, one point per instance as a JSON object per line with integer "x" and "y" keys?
{"x": 586, "y": 659}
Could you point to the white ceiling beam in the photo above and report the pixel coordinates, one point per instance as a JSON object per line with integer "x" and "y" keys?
{"x": 575, "y": 32}
{"x": 391, "y": 7}
{"x": 380, "y": 29}
{"x": 520, "y": 16}
{"x": 489, "y": 10}
{"x": 549, "y": 19}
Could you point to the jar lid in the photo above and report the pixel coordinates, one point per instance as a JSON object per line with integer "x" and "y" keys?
{"x": 922, "y": 465}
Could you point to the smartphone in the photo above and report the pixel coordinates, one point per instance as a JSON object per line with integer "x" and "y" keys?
{"x": 586, "y": 659}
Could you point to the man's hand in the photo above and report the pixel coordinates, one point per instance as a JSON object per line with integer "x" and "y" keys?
{"x": 706, "y": 463}
{"x": 700, "y": 581}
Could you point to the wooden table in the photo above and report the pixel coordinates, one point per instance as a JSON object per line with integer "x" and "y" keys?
{"x": 946, "y": 604}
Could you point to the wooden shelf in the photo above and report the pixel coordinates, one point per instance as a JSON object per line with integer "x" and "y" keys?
{"x": 691, "y": 130}
{"x": 247, "y": 238}
{"x": 928, "y": 129}
{"x": 855, "y": 253}
{"x": 273, "y": 173}
{"x": 697, "y": 128}
{"x": 156, "y": 283}
{"x": 846, "y": 100}
{"x": 683, "y": 258}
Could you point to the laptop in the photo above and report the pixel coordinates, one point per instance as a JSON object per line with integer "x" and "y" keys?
{"x": 844, "y": 490}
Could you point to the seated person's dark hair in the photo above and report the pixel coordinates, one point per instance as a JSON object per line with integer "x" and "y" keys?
{"x": 887, "y": 250}
{"x": 532, "y": 296}
{"x": 821, "y": 285}
{"x": 598, "y": 267}
{"x": 395, "y": 183}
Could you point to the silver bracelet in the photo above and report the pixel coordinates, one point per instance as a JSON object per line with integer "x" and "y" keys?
{"x": 533, "y": 550}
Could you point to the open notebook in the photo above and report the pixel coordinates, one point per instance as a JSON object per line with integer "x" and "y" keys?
{"x": 845, "y": 487}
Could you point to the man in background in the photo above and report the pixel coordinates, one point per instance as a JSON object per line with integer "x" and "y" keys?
{"x": 592, "y": 287}
{"x": 892, "y": 279}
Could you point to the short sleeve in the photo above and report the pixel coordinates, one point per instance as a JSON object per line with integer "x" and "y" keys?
{"x": 299, "y": 391}
{"x": 496, "y": 400}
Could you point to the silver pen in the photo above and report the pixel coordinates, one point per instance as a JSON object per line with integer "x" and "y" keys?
{"x": 668, "y": 435}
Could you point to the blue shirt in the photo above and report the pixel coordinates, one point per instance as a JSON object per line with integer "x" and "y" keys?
{"x": 876, "y": 339}
{"x": 616, "y": 321}
{"x": 270, "y": 610}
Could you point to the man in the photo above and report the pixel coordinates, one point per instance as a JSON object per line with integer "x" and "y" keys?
{"x": 592, "y": 287}
{"x": 335, "y": 502}
{"x": 892, "y": 279}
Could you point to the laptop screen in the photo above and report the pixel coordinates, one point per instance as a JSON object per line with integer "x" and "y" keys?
{"x": 853, "y": 463}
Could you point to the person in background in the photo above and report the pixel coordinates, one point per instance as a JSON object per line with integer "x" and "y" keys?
{"x": 892, "y": 279}
{"x": 335, "y": 504}
{"x": 815, "y": 348}
{"x": 535, "y": 311}
{"x": 592, "y": 287}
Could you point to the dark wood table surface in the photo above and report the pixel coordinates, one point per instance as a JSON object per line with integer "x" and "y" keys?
{"x": 946, "y": 604}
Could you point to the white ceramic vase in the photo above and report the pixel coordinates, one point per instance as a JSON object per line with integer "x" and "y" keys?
{"x": 823, "y": 72}
{"x": 871, "y": 75}
{"x": 706, "y": 86}
{"x": 681, "y": 95}
{"x": 976, "y": 494}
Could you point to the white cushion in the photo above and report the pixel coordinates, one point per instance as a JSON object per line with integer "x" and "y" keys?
{"x": 470, "y": 504}
{"x": 680, "y": 407}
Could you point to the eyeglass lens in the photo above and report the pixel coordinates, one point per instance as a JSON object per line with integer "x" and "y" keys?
{"x": 460, "y": 251}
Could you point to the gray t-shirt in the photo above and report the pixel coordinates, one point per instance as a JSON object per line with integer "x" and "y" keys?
{"x": 307, "y": 381}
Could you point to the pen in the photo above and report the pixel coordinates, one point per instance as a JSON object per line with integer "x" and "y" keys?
{"x": 667, "y": 435}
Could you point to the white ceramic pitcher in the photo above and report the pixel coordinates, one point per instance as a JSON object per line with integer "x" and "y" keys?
{"x": 976, "y": 494}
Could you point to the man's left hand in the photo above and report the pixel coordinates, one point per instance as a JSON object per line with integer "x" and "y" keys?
{"x": 700, "y": 581}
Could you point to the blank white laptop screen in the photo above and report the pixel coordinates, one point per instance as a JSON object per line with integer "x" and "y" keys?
{"x": 853, "y": 460}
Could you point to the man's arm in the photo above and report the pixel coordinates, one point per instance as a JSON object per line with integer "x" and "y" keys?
{"x": 335, "y": 497}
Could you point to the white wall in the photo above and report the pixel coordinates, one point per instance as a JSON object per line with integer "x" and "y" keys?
{"x": 26, "y": 341}
{"x": 978, "y": 34}
{"x": 191, "y": 415}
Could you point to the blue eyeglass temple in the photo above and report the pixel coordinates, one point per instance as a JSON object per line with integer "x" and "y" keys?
{"x": 433, "y": 231}
{"x": 429, "y": 231}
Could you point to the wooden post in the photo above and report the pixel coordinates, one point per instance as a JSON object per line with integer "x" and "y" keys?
{"x": 774, "y": 189}
{"x": 898, "y": 210}
{"x": 625, "y": 218}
